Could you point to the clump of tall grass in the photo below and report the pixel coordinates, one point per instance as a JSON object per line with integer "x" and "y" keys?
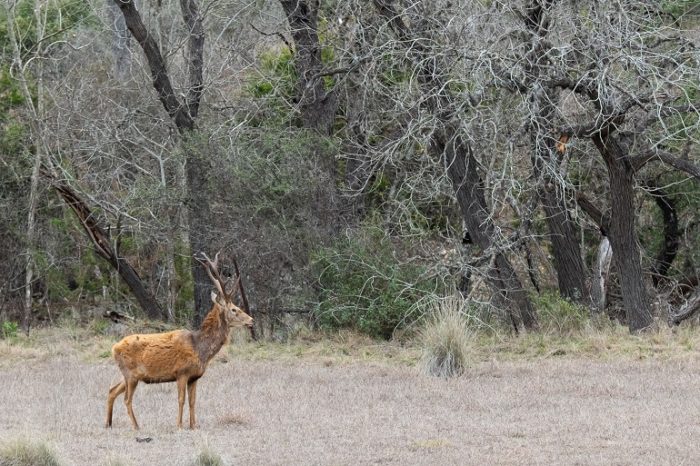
{"x": 445, "y": 338}
{"x": 113, "y": 461}
{"x": 207, "y": 457}
{"x": 27, "y": 453}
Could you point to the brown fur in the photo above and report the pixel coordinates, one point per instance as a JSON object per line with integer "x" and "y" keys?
{"x": 180, "y": 356}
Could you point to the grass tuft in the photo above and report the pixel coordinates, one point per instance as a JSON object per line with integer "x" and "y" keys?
{"x": 113, "y": 461}
{"x": 207, "y": 457}
{"x": 445, "y": 339}
{"x": 27, "y": 453}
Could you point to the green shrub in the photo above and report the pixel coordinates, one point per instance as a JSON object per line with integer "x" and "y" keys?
{"x": 365, "y": 287}
{"x": 560, "y": 316}
{"x": 27, "y": 453}
{"x": 9, "y": 329}
{"x": 680, "y": 7}
{"x": 445, "y": 338}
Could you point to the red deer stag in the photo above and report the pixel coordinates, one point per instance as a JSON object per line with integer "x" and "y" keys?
{"x": 180, "y": 356}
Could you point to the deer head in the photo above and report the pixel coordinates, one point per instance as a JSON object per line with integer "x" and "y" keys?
{"x": 234, "y": 315}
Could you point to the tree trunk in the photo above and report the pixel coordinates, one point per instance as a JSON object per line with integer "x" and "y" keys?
{"x": 317, "y": 106}
{"x": 199, "y": 220}
{"x": 506, "y": 285}
{"x": 623, "y": 238}
{"x": 671, "y": 243}
{"x": 568, "y": 262}
{"x": 601, "y": 272}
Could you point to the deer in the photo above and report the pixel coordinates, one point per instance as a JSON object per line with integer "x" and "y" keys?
{"x": 180, "y": 356}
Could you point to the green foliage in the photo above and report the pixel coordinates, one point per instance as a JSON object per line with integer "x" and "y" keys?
{"x": 277, "y": 83}
{"x": 559, "y": 316}
{"x": 9, "y": 330}
{"x": 395, "y": 75}
{"x": 366, "y": 287}
{"x": 445, "y": 338}
{"x": 9, "y": 91}
{"x": 278, "y": 78}
{"x": 27, "y": 453}
{"x": 60, "y": 16}
{"x": 679, "y": 7}
{"x": 13, "y": 138}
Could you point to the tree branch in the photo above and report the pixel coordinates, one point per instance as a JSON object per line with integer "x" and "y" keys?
{"x": 159, "y": 72}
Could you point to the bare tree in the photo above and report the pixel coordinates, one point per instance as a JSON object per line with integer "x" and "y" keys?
{"x": 452, "y": 149}
{"x": 552, "y": 191}
{"x": 619, "y": 82}
{"x": 183, "y": 112}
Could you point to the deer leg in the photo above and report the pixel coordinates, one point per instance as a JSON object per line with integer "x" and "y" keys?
{"x": 192, "y": 397}
{"x": 114, "y": 392}
{"x": 181, "y": 385}
{"x": 128, "y": 398}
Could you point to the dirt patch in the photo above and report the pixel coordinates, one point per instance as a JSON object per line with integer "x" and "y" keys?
{"x": 556, "y": 411}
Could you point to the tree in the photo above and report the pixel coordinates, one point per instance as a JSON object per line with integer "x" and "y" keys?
{"x": 621, "y": 77}
{"x": 183, "y": 113}
{"x": 552, "y": 189}
{"x": 448, "y": 144}
{"x": 29, "y": 72}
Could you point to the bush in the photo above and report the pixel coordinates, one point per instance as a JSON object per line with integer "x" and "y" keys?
{"x": 8, "y": 329}
{"x": 27, "y": 453}
{"x": 445, "y": 338}
{"x": 560, "y": 316}
{"x": 365, "y": 287}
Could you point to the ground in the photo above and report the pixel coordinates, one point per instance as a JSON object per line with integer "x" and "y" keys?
{"x": 367, "y": 405}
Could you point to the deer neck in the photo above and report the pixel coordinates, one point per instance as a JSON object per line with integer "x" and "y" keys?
{"x": 212, "y": 335}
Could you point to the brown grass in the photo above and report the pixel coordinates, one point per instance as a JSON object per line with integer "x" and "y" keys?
{"x": 603, "y": 398}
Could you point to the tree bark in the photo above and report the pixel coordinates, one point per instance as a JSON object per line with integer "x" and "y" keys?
{"x": 199, "y": 220}
{"x": 601, "y": 272}
{"x": 317, "y": 106}
{"x": 622, "y": 234}
{"x": 568, "y": 262}
{"x": 687, "y": 310}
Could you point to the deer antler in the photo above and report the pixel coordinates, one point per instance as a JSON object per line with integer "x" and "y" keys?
{"x": 212, "y": 268}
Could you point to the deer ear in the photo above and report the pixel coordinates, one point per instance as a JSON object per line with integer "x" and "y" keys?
{"x": 213, "y": 296}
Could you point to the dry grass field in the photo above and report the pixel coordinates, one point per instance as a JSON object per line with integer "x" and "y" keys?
{"x": 608, "y": 400}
